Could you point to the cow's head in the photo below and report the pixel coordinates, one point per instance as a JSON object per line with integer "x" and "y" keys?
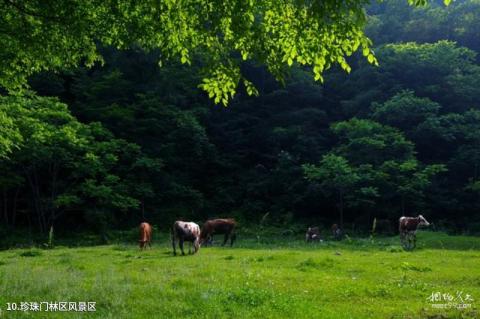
{"x": 423, "y": 221}
{"x": 204, "y": 240}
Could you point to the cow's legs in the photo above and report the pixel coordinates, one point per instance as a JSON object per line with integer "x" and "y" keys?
{"x": 233, "y": 236}
{"x": 405, "y": 240}
{"x": 225, "y": 239}
{"x": 403, "y": 237}
{"x": 180, "y": 243}
{"x": 196, "y": 245}
{"x": 409, "y": 240}
{"x": 173, "y": 244}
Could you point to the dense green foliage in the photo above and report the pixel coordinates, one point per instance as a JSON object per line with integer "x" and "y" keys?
{"x": 45, "y": 35}
{"x": 270, "y": 32}
{"x": 67, "y": 166}
{"x": 125, "y": 140}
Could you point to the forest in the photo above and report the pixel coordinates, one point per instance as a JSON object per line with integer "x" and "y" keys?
{"x": 391, "y": 130}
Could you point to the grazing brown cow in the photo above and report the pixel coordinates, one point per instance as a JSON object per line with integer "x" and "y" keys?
{"x": 219, "y": 226}
{"x": 185, "y": 231}
{"x": 145, "y": 235}
{"x": 313, "y": 234}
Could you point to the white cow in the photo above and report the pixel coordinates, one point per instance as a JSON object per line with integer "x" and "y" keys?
{"x": 407, "y": 227}
{"x": 185, "y": 231}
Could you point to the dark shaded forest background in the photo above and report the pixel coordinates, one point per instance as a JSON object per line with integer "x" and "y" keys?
{"x": 110, "y": 146}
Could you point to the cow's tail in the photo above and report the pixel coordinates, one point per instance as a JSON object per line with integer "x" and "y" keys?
{"x": 173, "y": 239}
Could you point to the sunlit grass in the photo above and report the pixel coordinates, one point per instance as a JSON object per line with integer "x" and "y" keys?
{"x": 258, "y": 278}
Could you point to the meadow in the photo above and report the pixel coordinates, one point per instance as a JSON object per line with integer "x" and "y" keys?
{"x": 257, "y": 278}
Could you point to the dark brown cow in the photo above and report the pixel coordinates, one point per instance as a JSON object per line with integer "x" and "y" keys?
{"x": 145, "y": 235}
{"x": 185, "y": 231}
{"x": 313, "y": 234}
{"x": 219, "y": 226}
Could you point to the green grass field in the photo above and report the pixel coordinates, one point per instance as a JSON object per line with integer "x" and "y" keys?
{"x": 266, "y": 278}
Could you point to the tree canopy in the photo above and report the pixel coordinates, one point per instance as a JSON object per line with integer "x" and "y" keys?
{"x": 47, "y": 35}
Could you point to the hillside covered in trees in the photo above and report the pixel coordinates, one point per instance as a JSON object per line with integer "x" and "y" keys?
{"x": 107, "y": 146}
